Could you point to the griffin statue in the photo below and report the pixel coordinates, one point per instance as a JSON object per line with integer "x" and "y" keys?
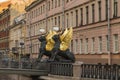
{"x": 56, "y": 46}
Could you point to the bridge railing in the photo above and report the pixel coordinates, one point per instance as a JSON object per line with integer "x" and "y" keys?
{"x": 62, "y": 69}
{"x": 15, "y": 64}
{"x": 99, "y": 71}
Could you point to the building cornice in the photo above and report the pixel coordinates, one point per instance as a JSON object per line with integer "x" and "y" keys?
{"x": 4, "y": 11}
{"x": 33, "y": 4}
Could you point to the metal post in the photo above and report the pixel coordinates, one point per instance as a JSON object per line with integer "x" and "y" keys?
{"x": 19, "y": 60}
{"x": 21, "y": 44}
{"x": 9, "y": 62}
{"x": 46, "y": 15}
{"x": 109, "y": 34}
{"x": 63, "y": 15}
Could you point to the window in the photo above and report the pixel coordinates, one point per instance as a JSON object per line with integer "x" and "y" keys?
{"x": 27, "y": 33}
{"x": 87, "y": 14}
{"x": 81, "y": 10}
{"x": 67, "y": 1}
{"x": 34, "y": 29}
{"x": 52, "y": 4}
{"x": 115, "y": 8}
{"x": 49, "y": 5}
{"x": 71, "y": 18}
{"x": 76, "y": 18}
{"x": 116, "y": 44}
{"x": 99, "y": 10}
{"x": 36, "y": 13}
{"x": 43, "y": 24}
{"x": 67, "y": 19}
{"x": 72, "y": 45}
{"x": 100, "y": 44}
{"x": 81, "y": 45}
{"x": 106, "y": 10}
{"x": 43, "y": 8}
{"x": 32, "y": 48}
{"x": 48, "y": 28}
{"x": 93, "y": 45}
{"x": 55, "y": 21}
{"x": 59, "y": 22}
{"x": 107, "y": 42}
{"x": 93, "y": 13}
{"x": 55, "y": 3}
{"x": 32, "y": 14}
{"x": 86, "y": 45}
{"x": 52, "y": 21}
{"x": 76, "y": 49}
{"x": 39, "y": 10}
{"x": 58, "y": 3}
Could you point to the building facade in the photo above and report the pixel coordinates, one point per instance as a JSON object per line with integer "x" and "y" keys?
{"x": 9, "y": 10}
{"x": 4, "y": 30}
{"x": 95, "y": 23}
{"x": 17, "y": 36}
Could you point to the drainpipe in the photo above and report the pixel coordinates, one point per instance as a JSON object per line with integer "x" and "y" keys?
{"x": 46, "y": 16}
{"x": 109, "y": 35}
{"x": 63, "y": 15}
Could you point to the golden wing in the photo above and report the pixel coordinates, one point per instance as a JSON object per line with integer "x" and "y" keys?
{"x": 65, "y": 41}
{"x": 63, "y": 35}
{"x": 50, "y": 41}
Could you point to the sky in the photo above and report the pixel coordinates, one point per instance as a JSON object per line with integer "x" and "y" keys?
{"x": 3, "y": 0}
{"x": 17, "y": 1}
{"x": 4, "y": 3}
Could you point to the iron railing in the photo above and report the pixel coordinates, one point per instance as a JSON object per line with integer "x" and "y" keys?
{"x": 62, "y": 69}
{"x": 16, "y": 64}
{"x": 99, "y": 71}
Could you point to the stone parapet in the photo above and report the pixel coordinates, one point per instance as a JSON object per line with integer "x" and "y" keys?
{"x": 77, "y": 70}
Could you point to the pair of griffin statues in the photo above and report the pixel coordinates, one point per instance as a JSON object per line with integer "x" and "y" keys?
{"x": 55, "y": 45}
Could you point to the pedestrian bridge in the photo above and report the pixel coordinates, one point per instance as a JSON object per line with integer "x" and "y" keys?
{"x": 36, "y": 69}
{"x": 24, "y": 68}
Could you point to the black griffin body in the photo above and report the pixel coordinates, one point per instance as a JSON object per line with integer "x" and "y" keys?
{"x": 55, "y": 54}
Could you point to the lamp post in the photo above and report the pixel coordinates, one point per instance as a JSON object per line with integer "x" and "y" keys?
{"x": 63, "y": 15}
{"x": 21, "y": 45}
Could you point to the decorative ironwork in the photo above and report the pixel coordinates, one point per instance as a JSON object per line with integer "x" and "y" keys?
{"x": 63, "y": 69}
{"x": 99, "y": 71}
